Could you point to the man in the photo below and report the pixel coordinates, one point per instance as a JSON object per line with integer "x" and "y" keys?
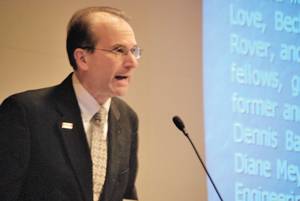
{"x": 51, "y": 146}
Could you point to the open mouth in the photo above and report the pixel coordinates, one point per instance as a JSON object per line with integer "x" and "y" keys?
{"x": 121, "y": 77}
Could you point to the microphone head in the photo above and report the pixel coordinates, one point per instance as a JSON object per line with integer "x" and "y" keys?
{"x": 179, "y": 123}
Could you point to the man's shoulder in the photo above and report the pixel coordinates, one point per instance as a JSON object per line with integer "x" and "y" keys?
{"x": 37, "y": 95}
{"x": 31, "y": 94}
{"x": 29, "y": 98}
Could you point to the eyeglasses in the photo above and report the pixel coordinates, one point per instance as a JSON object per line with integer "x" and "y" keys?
{"x": 121, "y": 51}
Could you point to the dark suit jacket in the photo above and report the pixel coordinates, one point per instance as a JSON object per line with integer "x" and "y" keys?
{"x": 42, "y": 161}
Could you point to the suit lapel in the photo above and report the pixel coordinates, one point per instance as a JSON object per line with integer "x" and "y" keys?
{"x": 73, "y": 137}
{"x": 114, "y": 151}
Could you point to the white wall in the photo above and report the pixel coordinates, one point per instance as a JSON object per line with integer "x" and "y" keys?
{"x": 168, "y": 82}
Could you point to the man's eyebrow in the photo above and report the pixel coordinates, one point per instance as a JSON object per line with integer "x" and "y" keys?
{"x": 123, "y": 46}
{"x": 118, "y": 45}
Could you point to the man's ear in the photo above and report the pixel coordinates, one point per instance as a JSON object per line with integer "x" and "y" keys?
{"x": 80, "y": 58}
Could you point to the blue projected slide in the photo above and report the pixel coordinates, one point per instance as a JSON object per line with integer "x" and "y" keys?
{"x": 251, "y": 73}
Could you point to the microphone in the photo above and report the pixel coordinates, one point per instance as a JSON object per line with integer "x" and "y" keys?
{"x": 180, "y": 125}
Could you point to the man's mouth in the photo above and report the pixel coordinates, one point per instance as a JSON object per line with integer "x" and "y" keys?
{"x": 121, "y": 77}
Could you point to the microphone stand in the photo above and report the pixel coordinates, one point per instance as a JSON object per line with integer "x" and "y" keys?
{"x": 202, "y": 163}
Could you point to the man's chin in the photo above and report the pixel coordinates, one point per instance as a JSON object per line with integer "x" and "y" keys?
{"x": 120, "y": 92}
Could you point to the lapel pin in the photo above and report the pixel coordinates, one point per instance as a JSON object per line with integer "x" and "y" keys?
{"x": 67, "y": 125}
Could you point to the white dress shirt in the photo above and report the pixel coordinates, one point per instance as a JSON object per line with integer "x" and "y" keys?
{"x": 88, "y": 106}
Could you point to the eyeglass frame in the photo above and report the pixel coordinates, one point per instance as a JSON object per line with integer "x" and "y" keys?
{"x": 135, "y": 51}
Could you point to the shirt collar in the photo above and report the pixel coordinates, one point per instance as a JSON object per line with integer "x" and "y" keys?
{"x": 87, "y": 103}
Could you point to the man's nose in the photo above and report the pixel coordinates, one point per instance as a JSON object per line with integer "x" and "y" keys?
{"x": 131, "y": 61}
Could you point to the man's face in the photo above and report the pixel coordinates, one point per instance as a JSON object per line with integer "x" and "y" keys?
{"x": 107, "y": 74}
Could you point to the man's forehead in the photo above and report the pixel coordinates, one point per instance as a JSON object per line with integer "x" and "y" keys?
{"x": 108, "y": 26}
